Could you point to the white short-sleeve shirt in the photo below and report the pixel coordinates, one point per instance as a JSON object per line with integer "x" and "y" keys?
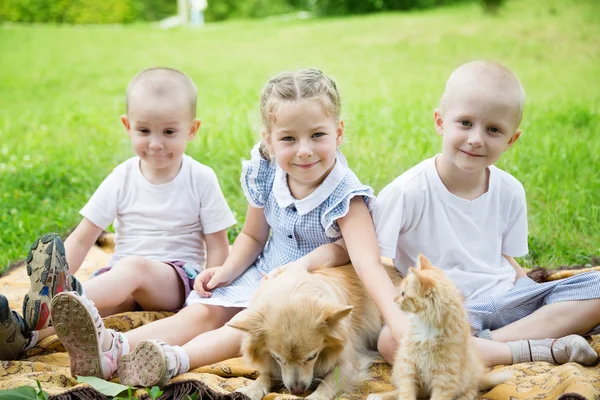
{"x": 417, "y": 214}
{"x": 165, "y": 222}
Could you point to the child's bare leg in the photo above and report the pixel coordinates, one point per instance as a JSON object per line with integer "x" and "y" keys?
{"x": 492, "y": 353}
{"x": 127, "y": 305}
{"x": 214, "y": 346}
{"x": 141, "y": 279}
{"x": 553, "y": 321}
{"x": 44, "y": 333}
{"x": 154, "y": 362}
{"x": 184, "y": 326}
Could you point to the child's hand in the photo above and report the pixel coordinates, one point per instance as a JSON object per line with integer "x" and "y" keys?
{"x": 397, "y": 326}
{"x": 209, "y": 279}
{"x": 289, "y": 266}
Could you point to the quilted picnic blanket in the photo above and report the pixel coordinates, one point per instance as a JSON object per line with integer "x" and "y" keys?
{"x": 48, "y": 363}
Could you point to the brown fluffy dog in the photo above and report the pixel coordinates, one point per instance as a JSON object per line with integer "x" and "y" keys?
{"x": 310, "y": 328}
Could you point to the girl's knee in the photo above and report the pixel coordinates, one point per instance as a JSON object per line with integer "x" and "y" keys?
{"x": 205, "y": 314}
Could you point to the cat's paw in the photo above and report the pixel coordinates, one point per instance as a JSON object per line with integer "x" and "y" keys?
{"x": 255, "y": 392}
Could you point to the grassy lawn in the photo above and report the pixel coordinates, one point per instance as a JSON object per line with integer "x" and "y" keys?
{"x": 62, "y": 92}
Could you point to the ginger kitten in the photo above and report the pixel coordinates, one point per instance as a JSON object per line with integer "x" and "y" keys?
{"x": 436, "y": 357}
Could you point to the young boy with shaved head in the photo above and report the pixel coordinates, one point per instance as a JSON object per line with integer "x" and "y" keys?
{"x": 470, "y": 219}
{"x": 170, "y": 219}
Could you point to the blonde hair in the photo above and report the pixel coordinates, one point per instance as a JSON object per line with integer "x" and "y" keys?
{"x": 161, "y": 81}
{"x": 488, "y": 74}
{"x": 304, "y": 84}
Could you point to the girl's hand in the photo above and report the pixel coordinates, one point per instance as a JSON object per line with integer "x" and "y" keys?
{"x": 211, "y": 278}
{"x": 298, "y": 264}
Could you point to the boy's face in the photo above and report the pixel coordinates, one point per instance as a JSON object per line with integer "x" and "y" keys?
{"x": 160, "y": 129}
{"x": 477, "y": 126}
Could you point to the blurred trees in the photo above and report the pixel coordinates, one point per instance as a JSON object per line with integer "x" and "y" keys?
{"x": 125, "y": 11}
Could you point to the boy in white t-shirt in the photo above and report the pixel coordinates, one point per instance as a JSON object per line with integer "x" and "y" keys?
{"x": 470, "y": 219}
{"x": 170, "y": 220}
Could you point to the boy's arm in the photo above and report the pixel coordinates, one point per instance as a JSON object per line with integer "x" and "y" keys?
{"x": 359, "y": 236}
{"x": 79, "y": 243}
{"x": 520, "y": 271}
{"x": 217, "y": 248}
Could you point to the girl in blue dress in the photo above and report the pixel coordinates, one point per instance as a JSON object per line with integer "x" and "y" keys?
{"x": 302, "y": 199}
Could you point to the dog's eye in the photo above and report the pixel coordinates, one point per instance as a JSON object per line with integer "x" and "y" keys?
{"x": 276, "y": 357}
{"x": 312, "y": 357}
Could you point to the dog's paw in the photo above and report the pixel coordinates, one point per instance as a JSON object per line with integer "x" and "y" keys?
{"x": 385, "y": 396}
{"x": 255, "y": 392}
{"x": 320, "y": 396}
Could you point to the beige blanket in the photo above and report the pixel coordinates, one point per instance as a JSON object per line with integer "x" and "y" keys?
{"x": 49, "y": 364}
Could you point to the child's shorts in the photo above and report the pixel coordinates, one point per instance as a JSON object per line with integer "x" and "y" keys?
{"x": 527, "y": 296}
{"x": 187, "y": 274}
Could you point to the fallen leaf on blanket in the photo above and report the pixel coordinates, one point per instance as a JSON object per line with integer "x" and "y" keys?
{"x": 105, "y": 387}
{"x": 20, "y": 393}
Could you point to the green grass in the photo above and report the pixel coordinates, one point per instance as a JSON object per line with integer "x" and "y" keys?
{"x": 62, "y": 92}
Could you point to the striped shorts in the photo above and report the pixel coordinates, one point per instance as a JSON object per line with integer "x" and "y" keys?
{"x": 527, "y": 296}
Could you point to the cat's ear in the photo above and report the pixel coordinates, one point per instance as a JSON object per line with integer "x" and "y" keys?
{"x": 423, "y": 263}
{"x": 420, "y": 281}
{"x": 414, "y": 279}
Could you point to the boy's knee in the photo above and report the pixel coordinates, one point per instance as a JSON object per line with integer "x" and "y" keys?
{"x": 386, "y": 345}
{"x": 130, "y": 262}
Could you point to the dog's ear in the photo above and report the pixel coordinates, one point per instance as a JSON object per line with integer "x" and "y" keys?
{"x": 333, "y": 313}
{"x": 247, "y": 322}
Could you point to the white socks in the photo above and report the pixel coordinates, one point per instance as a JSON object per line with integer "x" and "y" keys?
{"x": 33, "y": 339}
{"x": 572, "y": 348}
{"x": 125, "y": 349}
{"x": 184, "y": 360}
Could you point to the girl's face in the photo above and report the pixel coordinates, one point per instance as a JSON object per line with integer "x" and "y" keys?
{"x": 304, "y": 139}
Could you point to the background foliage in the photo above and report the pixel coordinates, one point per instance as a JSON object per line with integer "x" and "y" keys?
{"x": 62, "y": 93}
{"x": 127, "y": 11}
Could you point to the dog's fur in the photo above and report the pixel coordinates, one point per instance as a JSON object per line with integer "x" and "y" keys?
{"x": 307, "y": 328}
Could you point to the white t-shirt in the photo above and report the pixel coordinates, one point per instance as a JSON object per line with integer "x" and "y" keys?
{"x": 165, "y": 222}
{"x": 417, "y": 214}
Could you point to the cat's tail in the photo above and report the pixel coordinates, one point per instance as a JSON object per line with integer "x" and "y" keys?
{"x": 493, "y": 379}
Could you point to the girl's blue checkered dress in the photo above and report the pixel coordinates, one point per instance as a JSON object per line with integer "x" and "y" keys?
{"x": 297, "y": 226}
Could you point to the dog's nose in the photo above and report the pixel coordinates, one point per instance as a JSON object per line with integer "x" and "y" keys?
{"x": 297, "y": 388}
